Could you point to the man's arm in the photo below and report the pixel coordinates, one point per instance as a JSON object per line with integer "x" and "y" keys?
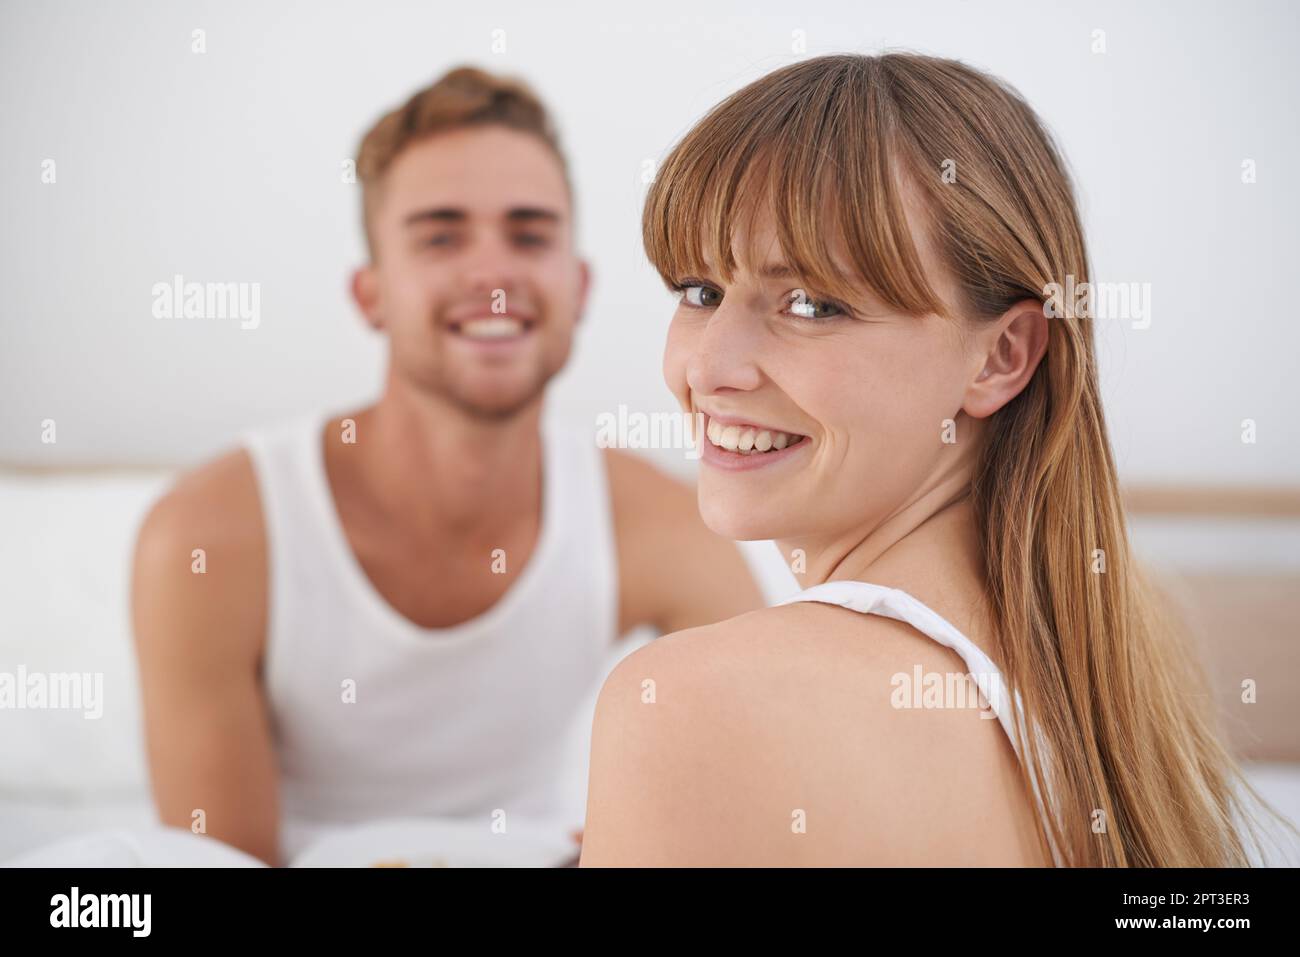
{"x": 199, "y": 623}
{"x": 674, "y": 573}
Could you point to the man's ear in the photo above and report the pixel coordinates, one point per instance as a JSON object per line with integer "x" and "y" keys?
{"x": 584, "y": 287}
{"x": 365, "y": 293}
{"x": 1011, "y": 348}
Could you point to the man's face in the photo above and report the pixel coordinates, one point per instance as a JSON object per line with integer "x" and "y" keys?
{"x": 474, "y": 277}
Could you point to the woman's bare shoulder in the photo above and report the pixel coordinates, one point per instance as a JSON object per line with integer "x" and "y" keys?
{"x": 775, "y": 738}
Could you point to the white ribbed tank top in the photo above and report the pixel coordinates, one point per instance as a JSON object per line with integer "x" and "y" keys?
{"x": 447, "y": 722}
{"x": 897, "y": 604}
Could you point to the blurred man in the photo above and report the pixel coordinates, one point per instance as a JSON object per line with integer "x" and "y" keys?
{"x": 397, "y": 612}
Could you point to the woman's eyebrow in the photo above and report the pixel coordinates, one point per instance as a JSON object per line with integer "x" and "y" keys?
{"x": 777, "y": 270}
{"x": 773, "y": 270}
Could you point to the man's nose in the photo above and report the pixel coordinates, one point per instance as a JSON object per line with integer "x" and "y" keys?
{"x": 725, "y": 356}
{"x": 491, "y": 268}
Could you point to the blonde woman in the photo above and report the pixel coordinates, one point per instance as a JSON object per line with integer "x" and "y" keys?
{"x": 861, "y": 246}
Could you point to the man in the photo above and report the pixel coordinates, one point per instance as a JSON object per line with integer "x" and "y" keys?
{"x": 398, "y": 612}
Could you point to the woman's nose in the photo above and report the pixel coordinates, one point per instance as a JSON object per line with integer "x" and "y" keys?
{"x": 725, "y": 354}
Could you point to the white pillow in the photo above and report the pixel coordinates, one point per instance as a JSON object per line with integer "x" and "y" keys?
{"x": 65, "y": 561}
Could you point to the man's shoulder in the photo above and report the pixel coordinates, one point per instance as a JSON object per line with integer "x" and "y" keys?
{"x": 638, "y": 487}
{"x": 216, "y": 501}
{"x": 220, "y": 500}
{"x": 632, "y": 467}
{"x": 201, "y": 549}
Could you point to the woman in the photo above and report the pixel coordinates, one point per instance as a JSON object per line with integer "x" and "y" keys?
{"x": 862, "y": 248}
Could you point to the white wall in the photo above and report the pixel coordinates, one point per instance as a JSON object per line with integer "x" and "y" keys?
{"x": 225, "y": 166}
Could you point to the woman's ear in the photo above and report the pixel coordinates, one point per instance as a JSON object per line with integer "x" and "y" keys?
{"x": 365, "y": 293}
{"x": 1011, "y": 349}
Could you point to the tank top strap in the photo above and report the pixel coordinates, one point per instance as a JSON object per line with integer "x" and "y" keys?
{"x": 868, "y": 598}
{"x": 894, "y": 603}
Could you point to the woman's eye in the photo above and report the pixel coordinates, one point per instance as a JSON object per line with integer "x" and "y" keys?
{"x": 705, "y": 297}
{"x": 806, "y": 307}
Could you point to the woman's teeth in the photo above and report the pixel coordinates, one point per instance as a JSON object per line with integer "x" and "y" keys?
{"x": 735, "y": 438}
{"x": 491, "y": 327}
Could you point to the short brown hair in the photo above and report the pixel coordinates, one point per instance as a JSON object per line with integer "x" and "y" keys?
{"x": 463, "y": 97}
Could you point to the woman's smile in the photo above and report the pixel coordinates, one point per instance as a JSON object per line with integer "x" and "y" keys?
{"x": 734, "y": 444}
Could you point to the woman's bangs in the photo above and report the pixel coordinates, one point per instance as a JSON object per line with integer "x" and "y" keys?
{"x": 834, "y": 203}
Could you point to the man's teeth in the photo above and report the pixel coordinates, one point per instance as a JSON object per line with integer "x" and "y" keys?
{"x": 491, "y": 327}
{"x": 734, "y": 438}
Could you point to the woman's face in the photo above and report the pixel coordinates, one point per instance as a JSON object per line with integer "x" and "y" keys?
{"x": 864, "y": 394}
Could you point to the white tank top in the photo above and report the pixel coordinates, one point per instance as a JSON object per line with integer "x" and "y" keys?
{"x": 897, "y": 604}
{"x": 447, "y": 722}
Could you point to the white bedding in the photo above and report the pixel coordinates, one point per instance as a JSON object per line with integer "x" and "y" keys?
{"x": 126, "y": 834}
{"x": 64, "y": 565}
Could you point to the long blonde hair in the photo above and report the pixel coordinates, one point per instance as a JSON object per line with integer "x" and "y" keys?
{"x": 1132, "y": 762}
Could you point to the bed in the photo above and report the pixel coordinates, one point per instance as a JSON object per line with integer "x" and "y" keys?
{"x": 64, "y": 561}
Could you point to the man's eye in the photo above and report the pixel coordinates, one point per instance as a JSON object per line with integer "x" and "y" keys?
{"x": 806, "y": 307}
{"x": 531, "y": 239}
{"x": 440, "y": 239}
{"x": 706, "y": 297}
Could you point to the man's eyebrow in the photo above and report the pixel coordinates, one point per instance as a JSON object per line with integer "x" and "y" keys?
{"x": 525, "y": 214}
{"x": 452, "y": 214}
{"x": 440, "y": 214}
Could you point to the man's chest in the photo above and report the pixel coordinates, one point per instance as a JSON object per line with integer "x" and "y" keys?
{"x": 438, "y": 580}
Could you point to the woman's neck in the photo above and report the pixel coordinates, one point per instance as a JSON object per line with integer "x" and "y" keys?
{"x": 933, "y": 534}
